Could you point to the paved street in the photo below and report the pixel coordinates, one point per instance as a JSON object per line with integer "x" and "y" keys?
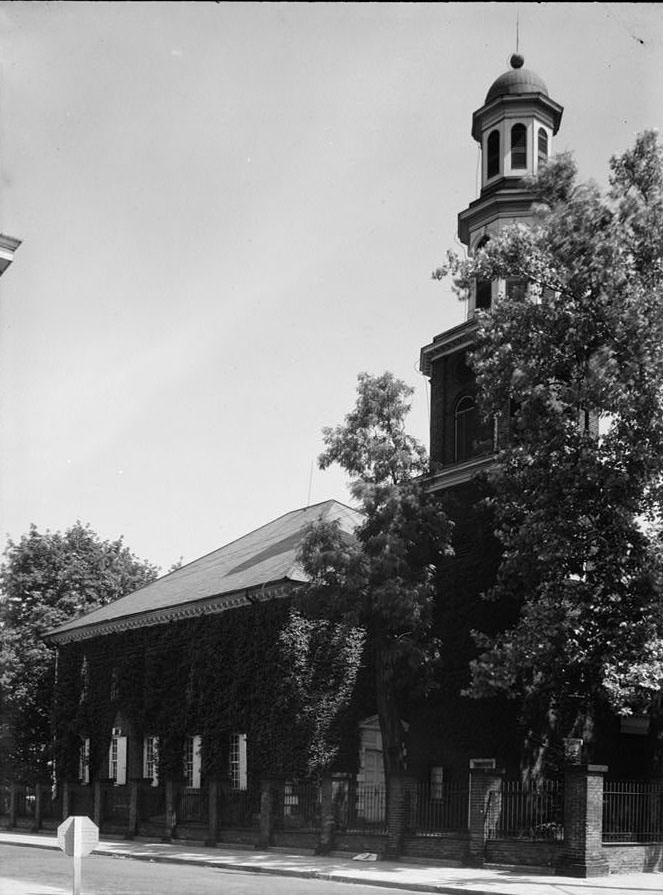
{"x": 32, "y": 871}
{"x": 32, "y": 864}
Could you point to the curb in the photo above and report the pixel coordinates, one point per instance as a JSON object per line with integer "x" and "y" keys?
{"x": 221, "y": 864}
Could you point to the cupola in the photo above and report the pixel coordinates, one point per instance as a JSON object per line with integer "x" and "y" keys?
{"x": 514, "y": 128}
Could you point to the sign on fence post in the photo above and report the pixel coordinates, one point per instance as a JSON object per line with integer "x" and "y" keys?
{"x": 77, "y": 837}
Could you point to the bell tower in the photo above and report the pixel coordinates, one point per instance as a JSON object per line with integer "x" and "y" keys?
{"x": 514, "y": 128}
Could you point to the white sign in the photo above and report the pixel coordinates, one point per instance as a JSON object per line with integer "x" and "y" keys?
{"x": 78, "y": 836}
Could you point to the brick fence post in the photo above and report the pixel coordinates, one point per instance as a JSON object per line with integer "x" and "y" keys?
{"x": 97, "y": 810}
{"x": 13, "y": 805}
{"x": 400, "y": 793}
{"x": 171, "y": 816}
{"x": 212, "y": 812}
{"x": 484, "y": 809}
{"x": 582, "y": 855}
{"x": 327, "y": 819}
{"x": 132, "y": 828}
{"x": 66, "y": 800}
{"x": 36, "y": 820}
{"x": 271, "y": 809}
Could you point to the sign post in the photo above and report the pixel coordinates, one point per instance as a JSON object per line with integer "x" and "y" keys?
{"x": 77, "y": 837}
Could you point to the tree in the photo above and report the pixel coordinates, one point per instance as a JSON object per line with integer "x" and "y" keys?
{"x": 575, "y": 365}
{"x": 381, "y": 580}
{"x": 45, "y": 580}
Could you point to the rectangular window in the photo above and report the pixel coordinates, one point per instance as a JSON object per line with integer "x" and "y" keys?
{"x": 436, "y": 782}
{"x": 150, "y": 759}
{"x": 192, "y": 762}
{"x": 237, "y": 761}
{"x": 84, "y": 761}
{"x": 117, "y": 760}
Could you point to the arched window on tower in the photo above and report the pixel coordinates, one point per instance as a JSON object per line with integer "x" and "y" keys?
{"x": 542, "y": 147}
{"x": 518, "y": 146}
{"x": 483, "y": 296}
{"x": 493, "y": 154}
{"x": 465, "y": 428}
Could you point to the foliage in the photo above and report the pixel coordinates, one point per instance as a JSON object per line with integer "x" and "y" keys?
{"x": 45, "y": 580}
{"x": 382, "y": 579}
{"x": 575, "y": 366}
{"x": 213, "y": 676}
{"x": 322, "y": 660}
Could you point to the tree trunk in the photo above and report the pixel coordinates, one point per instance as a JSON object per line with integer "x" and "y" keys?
{"x": 391, "y": 728}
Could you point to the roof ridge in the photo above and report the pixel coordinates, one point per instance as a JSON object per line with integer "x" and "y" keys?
{"x": 329, "y": 500}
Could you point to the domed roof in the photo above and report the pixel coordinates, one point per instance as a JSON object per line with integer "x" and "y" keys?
{"x": 517, "y": 81}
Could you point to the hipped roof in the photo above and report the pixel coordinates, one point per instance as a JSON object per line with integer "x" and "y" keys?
{"x": 260, "y": 565}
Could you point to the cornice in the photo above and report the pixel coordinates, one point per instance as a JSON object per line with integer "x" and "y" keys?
{"x": 179, "y": 612}
{"x": 459, "y": 473}
{"x": 506, "y": 105}
{"x": 461, "y": 336}
{"x": 491, "y": 206}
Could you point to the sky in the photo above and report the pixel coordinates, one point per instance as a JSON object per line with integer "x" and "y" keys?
{"x": 227, "y": 212}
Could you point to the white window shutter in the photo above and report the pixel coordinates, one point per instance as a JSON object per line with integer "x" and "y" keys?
{"x": 121, "y": 761}
{"x": 243, "y": 778}
{"x": 195, "y": 775}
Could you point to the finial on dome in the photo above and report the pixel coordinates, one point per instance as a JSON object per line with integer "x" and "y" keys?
{"x": 517, "y": 61}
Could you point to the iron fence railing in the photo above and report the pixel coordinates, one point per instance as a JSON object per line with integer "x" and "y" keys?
{"x": 151, "y": 803}
{"x": 526, "y": 811}
{"x": 240, "y": 808}
{"x": 438, "y": 808}
{"x": 115, "y": 804}
{"x": 25, "y": 801}
{"x": 632, "y": 811}
{"x": 81, "y": 800}
{"x": 192, "y": 806}
{"x": 51, "y": 804}
{"x": 301, "y": 804}
{"x": 359, "y": 807}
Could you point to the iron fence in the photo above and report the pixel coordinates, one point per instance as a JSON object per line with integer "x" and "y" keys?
{"x": 526, "y": 811}
{"x": 192, "y": 806}
{"x": 115, "y": 804}
{"x": 438, "y": 807}
{"x": 632, "y": 811}
{"x": 81, "y": 800}
{"x": 5, "y": 799}
{"x": 51, "y": 804}
{"x": 26, "y": 798}
{"x": 240, "y": 808}
{"x": 301, "y": 804}
{"x": 152, "y": 803}
{"x": 360, "y": 808}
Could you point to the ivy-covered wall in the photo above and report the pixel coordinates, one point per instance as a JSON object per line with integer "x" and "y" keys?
{"x": 447, "y": 728}
{"x": 209, "y": 676}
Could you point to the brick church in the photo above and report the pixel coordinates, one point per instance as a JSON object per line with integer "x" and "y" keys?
{"x": 136, "y": 697}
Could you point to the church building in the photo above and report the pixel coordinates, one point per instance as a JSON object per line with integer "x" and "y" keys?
{"x": 138, "y": 697}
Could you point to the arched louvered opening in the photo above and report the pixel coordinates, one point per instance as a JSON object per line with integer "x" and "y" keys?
{"x": 518, "y": 146}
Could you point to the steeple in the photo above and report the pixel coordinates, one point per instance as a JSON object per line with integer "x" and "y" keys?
{"x": 514, "y": 128}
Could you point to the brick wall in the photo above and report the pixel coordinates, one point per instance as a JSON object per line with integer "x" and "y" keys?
{"x": 634, "y": 858}
{"x": 522, "y": 852}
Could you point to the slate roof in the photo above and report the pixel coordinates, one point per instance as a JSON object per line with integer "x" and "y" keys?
{"x": 259, "y": 565}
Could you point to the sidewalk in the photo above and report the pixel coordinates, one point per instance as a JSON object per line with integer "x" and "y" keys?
{"x": 386, "y": 874}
